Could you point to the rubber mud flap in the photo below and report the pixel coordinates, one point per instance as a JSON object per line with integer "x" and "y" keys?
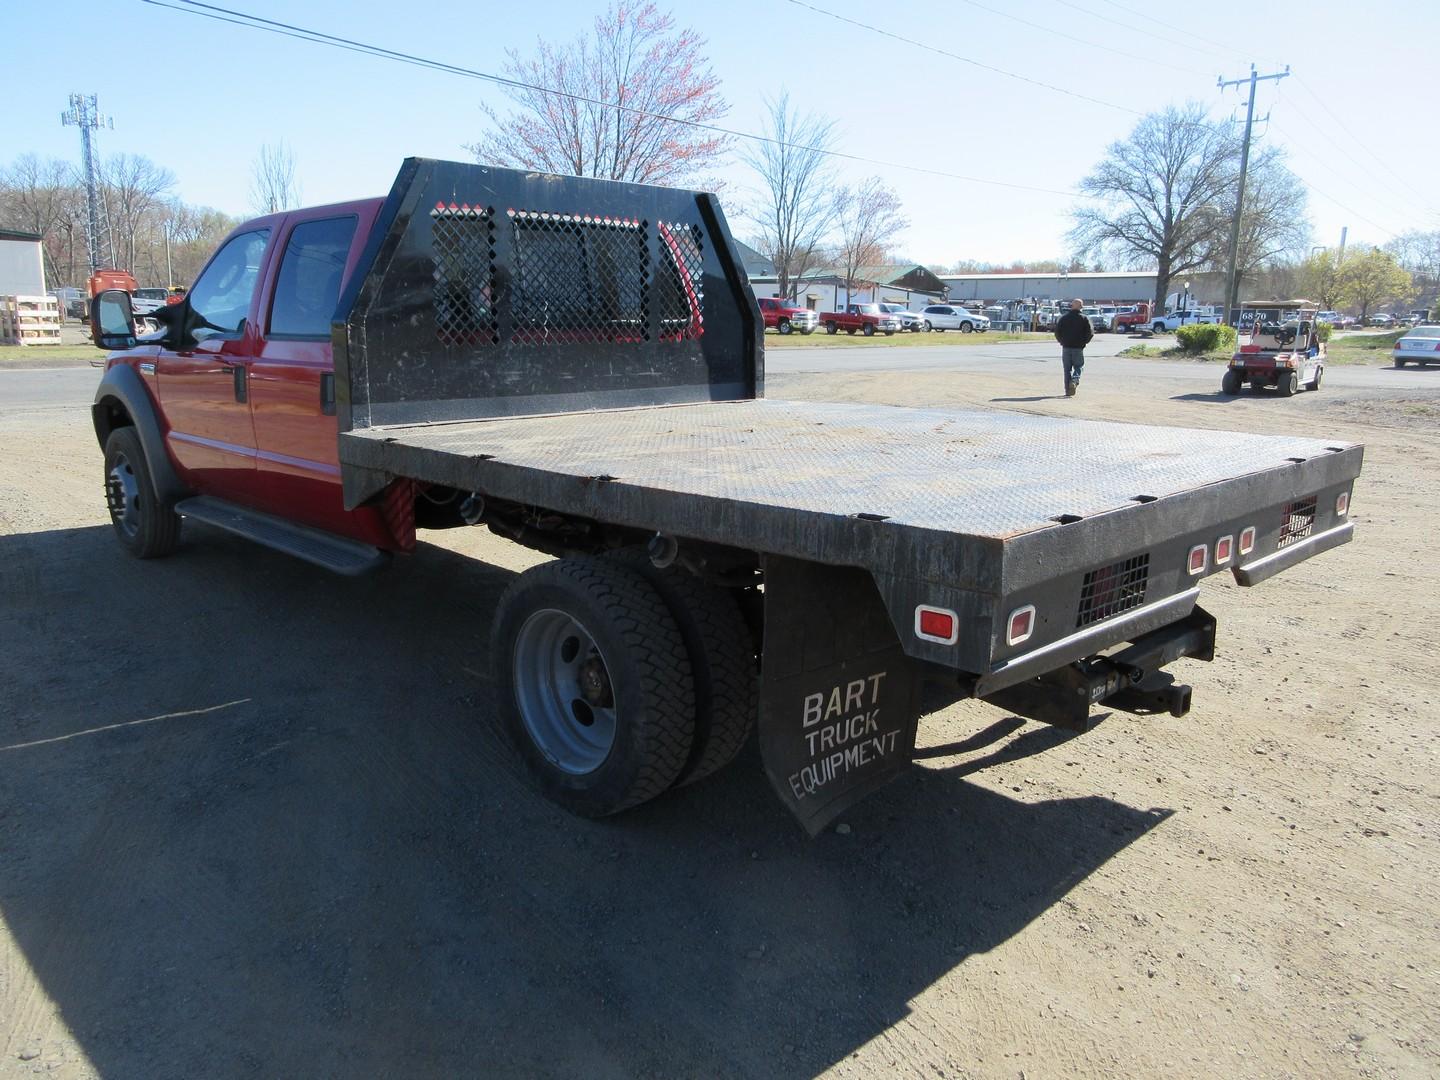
{"x": 838, "y": 697}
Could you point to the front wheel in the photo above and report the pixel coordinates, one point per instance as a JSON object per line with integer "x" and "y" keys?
{"x": 594, "y": 685}
{"x": 966, "y": 328}
{"x": 783, "y": 326}
{"x": 869, "y": 330}
{"x": 1289, "y": 384}
{"x": 147, "y": 527}
{"x": 1230, "y": 383}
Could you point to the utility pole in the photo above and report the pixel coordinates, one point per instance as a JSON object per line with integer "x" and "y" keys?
{"x": 84, "y": 113}
{"x": 1231, "y": 285}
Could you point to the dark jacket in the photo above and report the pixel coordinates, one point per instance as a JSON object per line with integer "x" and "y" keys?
{"x": 1073, "y": 331}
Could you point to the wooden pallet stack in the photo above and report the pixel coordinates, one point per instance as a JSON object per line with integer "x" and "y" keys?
{"x": 29, "y": 320}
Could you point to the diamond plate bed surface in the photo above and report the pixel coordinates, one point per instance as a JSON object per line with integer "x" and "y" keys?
{"x": 980, "y": 472}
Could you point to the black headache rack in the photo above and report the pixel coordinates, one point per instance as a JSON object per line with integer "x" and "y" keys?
{"x": 492, "y": 292}
{"x": 591, "y": 350}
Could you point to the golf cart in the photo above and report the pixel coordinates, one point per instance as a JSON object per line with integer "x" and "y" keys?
{"x": 1279, "y": 345}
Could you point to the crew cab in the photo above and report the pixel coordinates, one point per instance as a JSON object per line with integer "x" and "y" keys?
{"x": 866, "y": 318}
{"x": 786, "y": 316}
{"x": 578, "y": 366}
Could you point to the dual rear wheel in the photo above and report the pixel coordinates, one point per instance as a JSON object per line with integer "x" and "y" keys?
{"x": 617, "y": 680}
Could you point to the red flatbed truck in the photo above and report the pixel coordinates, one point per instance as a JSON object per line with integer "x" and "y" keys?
{"x": 578, "y": 365}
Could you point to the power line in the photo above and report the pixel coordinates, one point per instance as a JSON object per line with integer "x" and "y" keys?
{"x": 1134, "y": 29}
{"x": 1404, "y": 199}
{"x": 317, "y": 37}
{"x": 1129, "y": 54}
{"x": 1385, "y": 164}
{"x": 963, "y": 59}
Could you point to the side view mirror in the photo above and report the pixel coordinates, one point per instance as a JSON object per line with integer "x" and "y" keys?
{"x": 112, "y": 322}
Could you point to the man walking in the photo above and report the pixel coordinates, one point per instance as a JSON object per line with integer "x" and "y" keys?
{"x": 1073, "y": 332}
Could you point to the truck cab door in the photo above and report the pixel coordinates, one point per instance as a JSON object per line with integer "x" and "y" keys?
{"x": 292, "y": 389}
{"x": 202, "y": 375}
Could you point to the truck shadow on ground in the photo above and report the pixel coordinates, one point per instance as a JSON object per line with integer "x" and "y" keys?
{"x": 254, "y": 823}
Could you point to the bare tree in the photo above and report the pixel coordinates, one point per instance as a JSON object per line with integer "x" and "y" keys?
{"x": 798, "y": 190}
{"x": 867, "y": 218}
{"x": 273, "y": 186}
{"x": 633, "y": 69}
{"x": 39, "y": 196}
{"x": 1419, "y": 252}
{"x": 1158, "y": 194}
{"x": 134, "y": 189}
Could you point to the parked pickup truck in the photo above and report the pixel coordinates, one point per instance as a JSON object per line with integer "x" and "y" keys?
{"x": 1132, "y": 318}
{"x": 1183, "y": 317}
{"x": 578, "y": 366}
{"x": 787, "y": 316}
{"x": 866, "y": 318}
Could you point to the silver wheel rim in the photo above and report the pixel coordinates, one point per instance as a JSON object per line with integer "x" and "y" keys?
{"x": 563, "y": 690}
{"x": 122, "y": 496}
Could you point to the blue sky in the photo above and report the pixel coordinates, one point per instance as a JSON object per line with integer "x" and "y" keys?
{"x": 201, "y": 97}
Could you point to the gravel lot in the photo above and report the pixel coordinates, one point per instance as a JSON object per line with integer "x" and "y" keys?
{"x": 254, "y": 822}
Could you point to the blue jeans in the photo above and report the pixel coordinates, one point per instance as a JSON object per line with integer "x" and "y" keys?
{"x": 1073, "y": 362}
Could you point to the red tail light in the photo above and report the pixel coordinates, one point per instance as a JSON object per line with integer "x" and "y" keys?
{"x": 937, "y": 624}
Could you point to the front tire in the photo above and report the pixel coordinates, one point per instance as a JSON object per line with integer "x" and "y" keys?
{"x": 146, "y": 527}
{"x": 1289, "y": 384}
{"x": 1230, "y": 383}
{"x": 783, "y": 326}
{"x": 596, "y": 692}
{"x": 967, "y": 328}
{"x": 869, "y": 330}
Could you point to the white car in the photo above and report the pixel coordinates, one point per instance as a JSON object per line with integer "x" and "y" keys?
{"x": 942, "y": 317}
{"x": 909, "y": 320}
{"x": 1420, "y": 346}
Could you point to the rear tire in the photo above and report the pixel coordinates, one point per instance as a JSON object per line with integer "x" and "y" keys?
{"x": 722, "y": 658}
{"x": 147, "y": 527}
{"x": 831, "y": 328}
{"x": 594, "y": 685}
{"x": 927, "y": 326}
{"x": 1157, "y": 328}
{"x": 1314, "y": 384}
{"x": 1399, "y": 363}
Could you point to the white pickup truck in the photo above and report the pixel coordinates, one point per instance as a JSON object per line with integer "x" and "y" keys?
{"x": 1184, "y": 317}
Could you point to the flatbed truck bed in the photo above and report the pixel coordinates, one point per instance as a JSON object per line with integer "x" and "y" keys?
{"x": 578, "y": 365}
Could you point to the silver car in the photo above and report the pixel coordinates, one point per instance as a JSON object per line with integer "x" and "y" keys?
{"x": 944, "y": 317}
{"x": 1420, "y": 346}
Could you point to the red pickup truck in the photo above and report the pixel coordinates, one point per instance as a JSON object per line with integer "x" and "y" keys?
{"x": 1132, "y": 318}
{"x": 866, "y": 318}
{"x": 786, "y": 316}
{"x": 578, "y": 365}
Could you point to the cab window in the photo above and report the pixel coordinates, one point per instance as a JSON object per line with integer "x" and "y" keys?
{"x": 221, "y": 296}
{"x": 308, "y": 287}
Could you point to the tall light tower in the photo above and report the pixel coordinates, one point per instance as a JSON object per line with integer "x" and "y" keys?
{"x": 84, "y": 113}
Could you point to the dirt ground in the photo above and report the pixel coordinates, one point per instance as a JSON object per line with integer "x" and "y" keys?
{"x": 254, "y": 822}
